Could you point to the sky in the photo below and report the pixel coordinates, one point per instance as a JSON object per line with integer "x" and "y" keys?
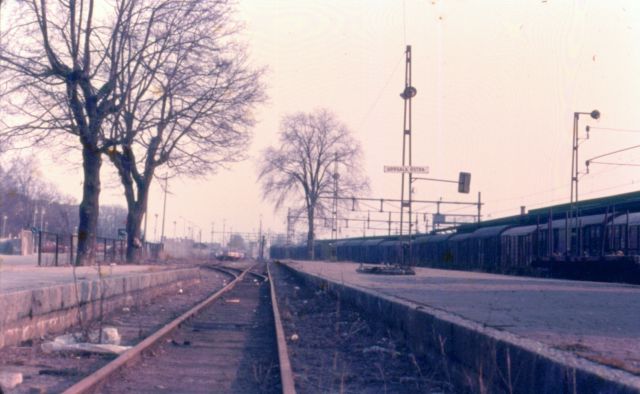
{"x": 497, "y": 82}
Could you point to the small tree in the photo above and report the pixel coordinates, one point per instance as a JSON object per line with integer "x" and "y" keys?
{"x": 311, "y": 145}
{"x": 236, "y": 242}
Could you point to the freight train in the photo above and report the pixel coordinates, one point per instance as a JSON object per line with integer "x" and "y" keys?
{"x": 596, "y": 239}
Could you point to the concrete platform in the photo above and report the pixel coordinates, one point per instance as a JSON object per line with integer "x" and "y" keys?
{"x": 22, "y": 273}
{"x": 36, "y": 301}
{"x": 564, "y": 334}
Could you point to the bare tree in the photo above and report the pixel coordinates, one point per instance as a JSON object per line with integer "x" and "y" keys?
{"x": 311, "y": 145}
{"x": 60, "y": 61}
{"x": 186, "y": 103}
{"x": 23, "y": 192}
{"x": 24, "y": 177}
{"x": 126, "y": 73}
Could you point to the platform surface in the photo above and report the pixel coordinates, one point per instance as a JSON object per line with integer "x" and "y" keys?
{"x": 597, "y": 321}
{"x": 22, "y": 273}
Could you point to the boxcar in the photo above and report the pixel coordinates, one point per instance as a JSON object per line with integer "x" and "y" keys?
{"x": 578, "y": 236}
{"x": 484, "y": 248}
{"x": 390, "y": 251}
{"x": 342, "y": 250}
{"x": 459, "y": 246}
{"x": 354, "y": 249}
{"x": 520, "y": 247}
{"x": 435, "y": 251}
{"x": 623, "y": 235}
{"x": 371, "y": 251}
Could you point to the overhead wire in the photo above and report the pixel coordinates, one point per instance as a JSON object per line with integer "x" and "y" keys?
{"x": 592, "y": 128}
{"x": 564, "y": 199}
{"x": 539, "y": 203}
{"x": 616, "y": 164}
{"x": 604, "y": 171}
{"x": 384, "y": 87}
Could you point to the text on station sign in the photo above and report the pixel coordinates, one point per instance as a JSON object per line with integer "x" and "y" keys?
{"x": 410, "y": 169}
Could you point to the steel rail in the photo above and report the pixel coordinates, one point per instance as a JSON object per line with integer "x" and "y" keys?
{"x": 286, "y": 373}
{"x": 92, "y": 382}
{"x": 226, "y": 270}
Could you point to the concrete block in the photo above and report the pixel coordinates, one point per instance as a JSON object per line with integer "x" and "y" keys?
{"x": 28, "y": 314}
{"x": 10, "y": 380}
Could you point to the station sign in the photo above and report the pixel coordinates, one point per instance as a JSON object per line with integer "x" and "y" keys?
{"x": 407, "y": 169}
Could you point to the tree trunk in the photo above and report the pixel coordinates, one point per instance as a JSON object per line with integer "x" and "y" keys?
{"x": 134, "y": 233}
{"x": 136, "y": 210}
{"x": 90, "y": 206}
{"x": 310, "y": 235}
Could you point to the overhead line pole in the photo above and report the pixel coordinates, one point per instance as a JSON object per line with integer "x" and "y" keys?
{"x": 405, "y": 194}
{"x": 334, "y": 225}
{"x": 575, "y": 173}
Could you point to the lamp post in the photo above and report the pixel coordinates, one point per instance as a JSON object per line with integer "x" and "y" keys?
{"x": 570, "y": 232}
{"x": 4, "y": 226}
{"x": 42, "y": 211}
{"x": 224, "y": 223}
{"x": 164, "y": 207}
{"x": 155, "y": 228}
{"x": 144, "y": 237}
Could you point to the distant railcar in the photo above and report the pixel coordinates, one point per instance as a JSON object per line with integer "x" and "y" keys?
{"x": 434, "y": 250}
{"x": 342, "y": 250}
{"x": 459, "y": 246}
{"x": 231, "y": 255}
{"x": 520, "y": 247}
{"x": 593, "y": 236}
{"x": 390, "y": 251}
{"x": 371, "y": 251}
{"x": 577, "y": 236}
{"x": 484, "y": 248}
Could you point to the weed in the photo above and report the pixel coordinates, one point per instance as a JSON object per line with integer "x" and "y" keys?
{"x": 382, "y": 375}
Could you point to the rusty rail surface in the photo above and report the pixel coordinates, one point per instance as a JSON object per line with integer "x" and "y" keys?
{"x": 92, "y": 382}
{"x": 286, "y": 373}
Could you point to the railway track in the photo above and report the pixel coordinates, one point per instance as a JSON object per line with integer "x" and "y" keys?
{"x": 230, "y": 342}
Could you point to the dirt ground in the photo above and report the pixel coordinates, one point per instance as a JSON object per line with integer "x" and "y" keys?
{"x": 335, "y": 348}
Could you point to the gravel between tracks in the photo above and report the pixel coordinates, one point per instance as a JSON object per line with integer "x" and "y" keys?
{"x": 335, "y": 348}
{"x": 53, "y": 372}
{"x": 228, "y": 347}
